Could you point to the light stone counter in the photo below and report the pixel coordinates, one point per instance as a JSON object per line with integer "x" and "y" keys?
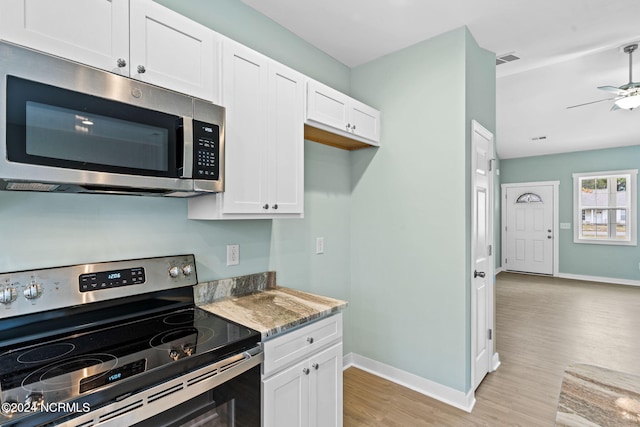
{"x": 254, "y": 301}
{"x": 592, "y": 396}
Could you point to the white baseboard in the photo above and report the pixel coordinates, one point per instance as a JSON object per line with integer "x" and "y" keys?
{"x": 600, "y": 279}
{"x": 448, "y": 395}
{"x": 495, "y": 362}
{"x": 500, "y": 270}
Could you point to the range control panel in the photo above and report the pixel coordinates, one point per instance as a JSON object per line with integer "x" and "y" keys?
{"x": 26, "y": 292}
{"x": 111, "y": 279}
{"x": 206, "y": 147}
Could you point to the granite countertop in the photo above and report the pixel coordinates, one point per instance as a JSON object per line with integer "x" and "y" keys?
{"x": 593, "y": 396}
{"x": 256, "y": 302}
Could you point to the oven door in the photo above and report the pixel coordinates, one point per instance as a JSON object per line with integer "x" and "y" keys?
{"x": 225, "y": 393}
{"x": 235, "y": 403}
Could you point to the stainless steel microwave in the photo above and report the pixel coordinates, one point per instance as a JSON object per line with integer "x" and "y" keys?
{"x": 67, "y": 127}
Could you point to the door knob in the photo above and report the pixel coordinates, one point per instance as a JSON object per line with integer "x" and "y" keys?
{"x": 478, "y": 274}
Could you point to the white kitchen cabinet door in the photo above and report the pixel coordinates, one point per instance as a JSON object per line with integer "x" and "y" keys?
{"x": 327, "y": 106}
{"x": 172, "y": 51}
{"x": 93, "y": 32}
{"x": 286, "y": 398}
{"x": 285, "y": 122}
{"x": 365, "y": 121}
{"x": 325, "y": 388}
{"x": 244, "y": 94}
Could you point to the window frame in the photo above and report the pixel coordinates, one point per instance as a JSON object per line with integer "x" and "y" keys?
{"x": 632, "y": 208}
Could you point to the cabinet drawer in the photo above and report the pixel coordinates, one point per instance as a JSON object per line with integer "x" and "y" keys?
{"x": 293, "y": 346}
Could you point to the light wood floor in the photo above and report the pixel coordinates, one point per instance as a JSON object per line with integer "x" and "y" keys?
{"x": 542, "y": 325}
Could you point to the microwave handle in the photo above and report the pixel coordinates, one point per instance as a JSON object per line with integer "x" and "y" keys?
{"x": 185, "y": 136}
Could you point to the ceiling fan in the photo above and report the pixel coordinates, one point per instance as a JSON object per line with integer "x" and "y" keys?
{"x": 628, "y": 95}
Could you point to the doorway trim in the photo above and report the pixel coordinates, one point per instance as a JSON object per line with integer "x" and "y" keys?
{"x": 556, "y": 219}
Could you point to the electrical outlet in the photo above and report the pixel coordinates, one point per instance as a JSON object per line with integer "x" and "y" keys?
{"x": 319, "y": 245}
{"x": 233, "y": 254}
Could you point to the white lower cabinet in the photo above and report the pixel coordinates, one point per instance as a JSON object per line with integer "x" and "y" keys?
{"x": 307, "y": 392}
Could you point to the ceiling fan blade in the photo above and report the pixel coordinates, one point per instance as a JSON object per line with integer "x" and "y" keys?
{"x": 592, "y": 102}
{"x": 613, "y": 89}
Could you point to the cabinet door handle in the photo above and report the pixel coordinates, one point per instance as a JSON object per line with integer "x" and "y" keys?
{"x": 305, "y": 371}
{"x": 353, "y": 128}
{"x": 315, "y": 366}
{"x": 121, "y": 63}
{"x": 310, "y": 340}
{"x": 348, "y": 126}
{"x": 266, "y": 206}
{"x": 275, "y": 206}
{"x": 141, "y": 69}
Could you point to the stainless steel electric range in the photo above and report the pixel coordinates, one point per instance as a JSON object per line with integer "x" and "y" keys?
{"x": 122, "y": 344}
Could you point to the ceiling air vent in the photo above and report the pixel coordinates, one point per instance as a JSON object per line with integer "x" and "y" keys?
{"x": 507, "y": 57}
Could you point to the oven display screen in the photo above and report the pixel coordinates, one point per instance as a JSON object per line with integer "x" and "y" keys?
{"x": 98, "y": 380}
{"x": 111, "y": 279}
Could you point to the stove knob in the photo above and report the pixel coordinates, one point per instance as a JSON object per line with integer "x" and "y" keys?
{"x": 187, "y": 270}
{"x": 174, "y": 272}
{"x": 34, "y": 401}
{"x": 33, "y": 291}
{"x": 8, "y": 295}
{"x": 173, "y": 354}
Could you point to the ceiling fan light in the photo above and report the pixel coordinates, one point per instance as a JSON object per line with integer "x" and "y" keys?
{"x": 629, "y": 102}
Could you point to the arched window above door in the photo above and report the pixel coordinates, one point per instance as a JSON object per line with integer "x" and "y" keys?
{"x": 529, "y": 198}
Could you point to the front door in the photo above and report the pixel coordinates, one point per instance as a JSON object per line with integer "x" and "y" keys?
{"x": 529, "y": 228}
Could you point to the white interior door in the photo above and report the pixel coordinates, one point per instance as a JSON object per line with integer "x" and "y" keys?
{"x": 529, "y": 228}
{"x": 481, "y": 253}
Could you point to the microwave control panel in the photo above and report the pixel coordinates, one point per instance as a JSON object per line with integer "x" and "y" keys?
{"x": 206, "y": 151}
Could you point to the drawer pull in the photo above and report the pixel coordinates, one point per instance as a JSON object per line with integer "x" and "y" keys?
{"x": 310, "y": 340}
{"x": 315, "y": 366}
{"x": 305, "y": 371}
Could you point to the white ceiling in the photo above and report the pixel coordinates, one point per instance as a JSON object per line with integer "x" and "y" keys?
{"x": 567, "y": 49}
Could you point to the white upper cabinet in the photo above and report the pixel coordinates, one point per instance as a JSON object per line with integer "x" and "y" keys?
{"x": 94, "y": 32}
{"x": 139, "y": 39}
{"x": 172, "y": 51}
{"x": 264, "y": 140}
{"x": 331, "y": 111}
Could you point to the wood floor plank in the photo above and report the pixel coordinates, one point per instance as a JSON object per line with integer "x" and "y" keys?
{"x": 543, "y": 325}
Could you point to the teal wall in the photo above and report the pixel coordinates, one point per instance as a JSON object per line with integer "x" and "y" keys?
{"x": 410, "y": 207}
{"x": 608, "y": 261}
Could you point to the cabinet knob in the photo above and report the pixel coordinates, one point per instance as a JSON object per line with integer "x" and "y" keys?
{"x": 310, "y": 340}
{"x": 305, "y": 371}
{"x": 121, "y": 63}
{"x": 315, "y": 366}
{"x": 348, "y": 126}
{"x": 353, "y": 127}
{"x": 275, "y": 206}
{"x": 141, "y": 69}
{"x": 266, "y": 206}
